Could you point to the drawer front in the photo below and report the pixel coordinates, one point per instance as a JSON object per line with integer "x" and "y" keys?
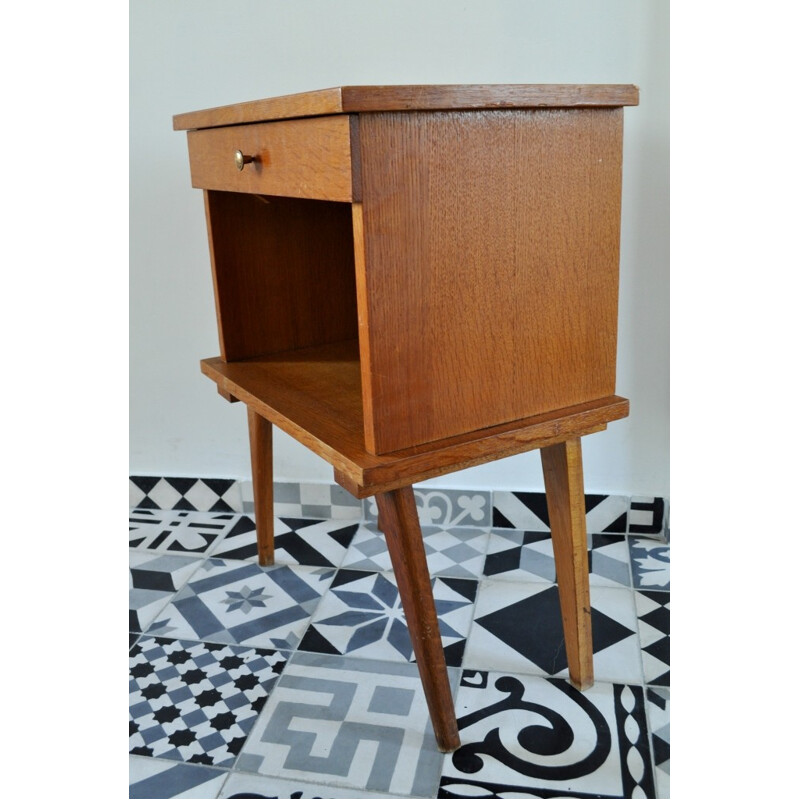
{"x": 308, "y": 158}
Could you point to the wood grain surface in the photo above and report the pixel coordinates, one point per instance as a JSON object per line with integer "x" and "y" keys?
{"x": 349, "y": 99}
{"x": 296, "y": 158}
{"x": 488, "y": 288}
{"x": 314, "y": 395}
{"x": 283, "y": 272}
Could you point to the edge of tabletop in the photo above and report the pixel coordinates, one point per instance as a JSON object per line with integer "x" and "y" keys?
{"x": 421, "y": 97}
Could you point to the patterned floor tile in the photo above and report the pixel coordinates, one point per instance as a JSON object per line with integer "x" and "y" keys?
{"x": 153, "y": 580}
{"x": 313, "y": 500}
{"x": 194, "y": 701}
{"x": 177, "y": 531}
{"x": 455, "y": 552}
{"x": 528, "y": 511}
{"x": 347, "y": 722}
{"x": 658, "y": 715}
{"x": 649, "y": 563}
{"x": 524, "y": 736}
{"x": 235, "y": 602}
{"x": 522, "y": 555}
{"x": 187, "y": 494}
{"x": 311, "y": 542}
{"x": 240, "y": 785}
{"x": 647, "y": 516}
{"x": 152, "y": 777}
{"x": 517, "y": 627}
{"x": 362, "y": 615}
{"x": 652, "y": 609}
{"x": 445, "y": 507}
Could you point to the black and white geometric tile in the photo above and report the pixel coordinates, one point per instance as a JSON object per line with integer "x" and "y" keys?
{"x": 455, "y": 552}
{"x": 340, "y": 710}
{"x": 445, "y": 507}
{"x": 153, "y": 777}
{"x": 153, "y": 580}
{"x": 196, "y": 701}
{"x": 312, "y": 542}
{"x": 647, "y": 516}
{"x": 177, "y": 531}
{"x": 652, "y": 609}
{"x": 528, "y": 511}
{"x": 352, "y": 723}
{"x": 362, "y": 615}
{"x": 528, "y": 555}
{"x": 524, "y": 736}
{"x": 185, "y": 494}
{"x": 517, "y": 627}
{"x": 649, "y": 563}
{"x": 658, "y": 715}
{"x": 235, "y": 602}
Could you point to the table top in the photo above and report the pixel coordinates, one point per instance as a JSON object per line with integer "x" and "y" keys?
{"x": 426, "y": 97}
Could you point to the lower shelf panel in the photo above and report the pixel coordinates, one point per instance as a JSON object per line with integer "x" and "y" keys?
{"x": 314, "y": 395}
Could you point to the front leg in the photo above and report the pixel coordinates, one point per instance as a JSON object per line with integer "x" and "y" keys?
{"x": 400, "y": 524}
{"x": 563, "y": 480}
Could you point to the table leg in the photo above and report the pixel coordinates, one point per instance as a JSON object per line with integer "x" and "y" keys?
{"x": 563, "y": 479}
{"x": 400, "y": 523}
{"x": 261, "y": 463}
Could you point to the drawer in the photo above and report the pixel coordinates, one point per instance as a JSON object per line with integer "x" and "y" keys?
{"x": 308, "y": 158}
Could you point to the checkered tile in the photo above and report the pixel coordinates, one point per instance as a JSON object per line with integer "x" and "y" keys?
{"x": 457, "y": 552}
{"x": 194, "y": 701}
{"x": 186, "y": 494}
{"x": 310, "y": 500}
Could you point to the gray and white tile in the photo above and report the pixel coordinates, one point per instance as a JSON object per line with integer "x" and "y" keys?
{"x": 153, "y": 579}
{"x": 154, "y": 777}
{"x": 234, "y": 602}
{"x": 445, "y": 507}
{"x": 312, "y": 500}
{"x": 242, "y": 784}
{"x": 352, "y": 723}
{"x": 649, "y": 563}
{"x": 455, "y": 552}
{"x": 528, "y": 555}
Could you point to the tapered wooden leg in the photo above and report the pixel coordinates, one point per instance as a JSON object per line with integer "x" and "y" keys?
{"x": 261, "y": 462}
{"x": 400, "y": 524}
{"x": 563, "y": 480}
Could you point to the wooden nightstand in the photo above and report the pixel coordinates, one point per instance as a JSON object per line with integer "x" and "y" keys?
{"x": 411, "y": 280}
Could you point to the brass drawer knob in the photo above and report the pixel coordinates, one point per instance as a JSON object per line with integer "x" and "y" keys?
{"x": 240, "y": 159}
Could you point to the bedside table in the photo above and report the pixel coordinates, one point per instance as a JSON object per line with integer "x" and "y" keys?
{"x": 412, "y": 280}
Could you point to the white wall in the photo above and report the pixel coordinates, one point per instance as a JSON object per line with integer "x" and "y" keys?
{"x": 192, "y": 54}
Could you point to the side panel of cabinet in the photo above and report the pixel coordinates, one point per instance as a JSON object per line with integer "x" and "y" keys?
{"x": 283, "y": 273}
{"x": 487, "y": 269}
